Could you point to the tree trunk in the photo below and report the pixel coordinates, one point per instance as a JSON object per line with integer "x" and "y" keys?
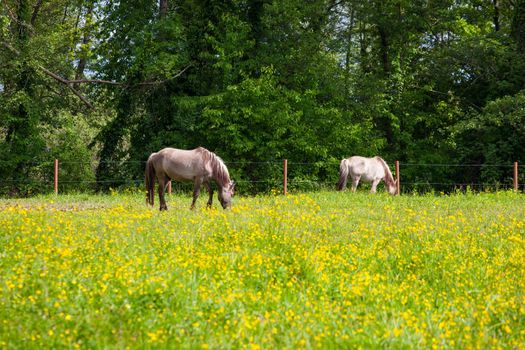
{"x": 348, "y": 51}
{"x": 496, "y": 15}
{"x": 163, "y": 8}
{"x": 86, "y": 38}
{"x": 363, "y": 46}
{"x": 518, "y": 25}
{"x": 383, "y": 36}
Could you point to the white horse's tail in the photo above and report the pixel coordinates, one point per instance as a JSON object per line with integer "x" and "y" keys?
{"x": 343, "y": 175}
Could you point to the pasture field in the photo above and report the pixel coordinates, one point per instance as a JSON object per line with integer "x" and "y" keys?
{"x": 322, "y": 270}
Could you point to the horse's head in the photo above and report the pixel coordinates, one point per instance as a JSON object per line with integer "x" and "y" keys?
{"x": 226, "y": 193}
{"x": 392, "y": 187}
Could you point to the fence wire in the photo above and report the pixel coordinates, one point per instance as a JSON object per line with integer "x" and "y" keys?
{"x": 301, "y": 176}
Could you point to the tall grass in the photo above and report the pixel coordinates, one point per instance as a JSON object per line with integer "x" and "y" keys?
{"x": 319, "y": 270}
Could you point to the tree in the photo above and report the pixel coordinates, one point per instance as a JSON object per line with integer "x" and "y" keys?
{"x": 494, "y": 138}
{"x": 256, "y": 80}
{"x": 38, "y": 42}
{"x": 518, "y": 25}
{"x": 151, "y": 56}
{"x": 21, "y": 119}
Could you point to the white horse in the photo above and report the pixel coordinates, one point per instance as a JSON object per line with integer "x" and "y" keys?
{"x": 368, "y": 170}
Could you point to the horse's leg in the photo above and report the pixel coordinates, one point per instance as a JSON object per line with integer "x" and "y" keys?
{"x": 163, "y": 182}
{"x": 355, "y": 182}
{"x": 374, "y": 185}
{"x": 196, "y": 191}
{"x": 210, "y": 193}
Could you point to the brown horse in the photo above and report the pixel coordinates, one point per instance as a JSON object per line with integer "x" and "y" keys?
{"x": 198, "y": 165}
{"x": 368, "y": 170}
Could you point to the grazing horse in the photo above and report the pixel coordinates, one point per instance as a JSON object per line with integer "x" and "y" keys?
{"x": 198, "y": 165}
{"x": 368, "y": 170}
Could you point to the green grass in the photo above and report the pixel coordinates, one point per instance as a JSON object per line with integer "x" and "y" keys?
{"x": 319, "y": 270}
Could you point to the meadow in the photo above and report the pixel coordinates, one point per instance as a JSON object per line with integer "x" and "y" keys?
{"x": 321, "y": 270}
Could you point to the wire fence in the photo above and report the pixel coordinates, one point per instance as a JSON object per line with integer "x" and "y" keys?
{"x": 268, "y": 176}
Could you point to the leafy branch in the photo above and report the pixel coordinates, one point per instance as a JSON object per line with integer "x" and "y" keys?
{"x": 70, "y": 83}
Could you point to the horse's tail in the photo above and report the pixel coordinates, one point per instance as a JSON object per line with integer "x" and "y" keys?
{"x": 149, "y": 179}
{"x": 343, "y": 175}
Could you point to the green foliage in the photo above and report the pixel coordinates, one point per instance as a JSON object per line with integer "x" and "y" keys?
{"x": 259, "y": 81}
{"x": 39, "y": 120}
{"x": 69, "y": 144}
{"x": 495, "y": 137}
{"x": 259, "y": 121}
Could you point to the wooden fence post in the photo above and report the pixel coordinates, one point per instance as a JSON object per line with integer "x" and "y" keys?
{"x": 285, "y": 176}
{"x": 398, "y": 185}
{"x": 56, "y": 176}
{"x": 515, "y": 176}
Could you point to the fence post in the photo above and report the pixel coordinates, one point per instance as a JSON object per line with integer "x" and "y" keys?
{"x": 398, "y": 185}
{"x": 516, "y": 176}
{"x": 285, "y": 176}
{"x": 56, "y": 176}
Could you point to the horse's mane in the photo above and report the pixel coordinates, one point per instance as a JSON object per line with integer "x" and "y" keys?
{"x": 389, "y": 179}
{"x": 219, "y": 170}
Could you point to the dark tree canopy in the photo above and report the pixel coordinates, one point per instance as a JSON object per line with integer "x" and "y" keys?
{"x": 102, "y": 84}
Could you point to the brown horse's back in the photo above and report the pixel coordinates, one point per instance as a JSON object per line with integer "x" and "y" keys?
{"x": 182, "y": 165}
